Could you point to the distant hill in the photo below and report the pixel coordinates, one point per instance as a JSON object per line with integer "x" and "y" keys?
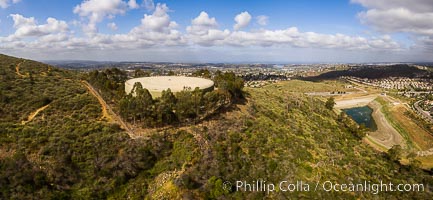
{"x": 54, "y": 144}
{"x": 376, "y": 72}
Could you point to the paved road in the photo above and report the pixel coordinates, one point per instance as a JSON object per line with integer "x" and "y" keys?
{"x": 327, "y": 93}
{"x": 425, "y": 114}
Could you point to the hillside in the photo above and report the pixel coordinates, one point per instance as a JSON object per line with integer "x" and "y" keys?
{"x": 377, "y": 72}
{"x": 67, "y": 150}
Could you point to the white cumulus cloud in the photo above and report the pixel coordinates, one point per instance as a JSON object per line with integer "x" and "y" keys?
{"x": 159, "y": 30}
{"x": 201, "y": 24}
{"x": 98, "y": 10}
{"x": 204, "y": 30}
{"x": 413, "y": 16}
{"x": 292, "y": 37}
{"x": 27, "y": 27}
{"x": 159, "y": 20}
{"x": 204, "y": 20}
{"x": 242, "y": 20}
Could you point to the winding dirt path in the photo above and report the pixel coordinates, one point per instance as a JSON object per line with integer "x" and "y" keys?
{"x": 34, "y": 114}
{"x": 107, "y": 112}
{"x": 17, "y": 70}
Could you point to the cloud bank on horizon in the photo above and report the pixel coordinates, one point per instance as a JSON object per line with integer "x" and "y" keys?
{"x": 156, "y": 36}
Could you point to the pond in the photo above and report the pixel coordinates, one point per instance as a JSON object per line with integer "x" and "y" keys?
{"x": 362, "y": 115}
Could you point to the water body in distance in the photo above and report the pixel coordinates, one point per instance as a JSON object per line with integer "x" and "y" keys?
{"x": 362, "y": 115}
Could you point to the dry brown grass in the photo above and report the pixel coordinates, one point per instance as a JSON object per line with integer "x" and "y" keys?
{"x": 427, "y": 161}
{"x": 308, "y": 86}
{"x": 416, "y": 133}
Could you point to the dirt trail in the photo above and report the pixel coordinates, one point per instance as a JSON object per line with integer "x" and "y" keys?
{"x": 17, "y": 70}
{"x": 33, "y": 114}
{"x": 107, "y": 112}
{"x": 47, "y": 72}
{"x": 100, "y": 99}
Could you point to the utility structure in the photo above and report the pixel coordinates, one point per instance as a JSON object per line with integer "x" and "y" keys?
{"x": 156, "y": 84}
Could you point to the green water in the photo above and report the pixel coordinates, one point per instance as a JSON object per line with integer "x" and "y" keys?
{"x": 362, "y": 115}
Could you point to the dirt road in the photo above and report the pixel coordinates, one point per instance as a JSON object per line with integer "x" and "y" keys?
{"x": 354, "y": 102}
{"x": 100, "y": 99}
{"x": 107, "y": 112}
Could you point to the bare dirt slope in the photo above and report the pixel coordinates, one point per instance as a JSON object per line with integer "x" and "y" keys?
{"x": 385, "y": 134}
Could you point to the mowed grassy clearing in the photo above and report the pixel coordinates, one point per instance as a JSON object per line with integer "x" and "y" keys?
{"x": 308, "y": 86}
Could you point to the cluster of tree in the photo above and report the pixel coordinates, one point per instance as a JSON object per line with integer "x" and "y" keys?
{"x": 139, "y": 106}
{"x": 231, "y": 83}
{"x": 263, "y": 77}
{"x": 338, "y": 92}
{"x": 359, "y": 131}
{"x": 184, "y": 106}
{"x": 205, "y": 73}
{"x": 109, "y": 81}
{"x": 330, "y": 103}
{"x": 141, "y": 73}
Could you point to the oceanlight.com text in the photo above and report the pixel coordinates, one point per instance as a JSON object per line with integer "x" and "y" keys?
{"x": 327, "y": 186}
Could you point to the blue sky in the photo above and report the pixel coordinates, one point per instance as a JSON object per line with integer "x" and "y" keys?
{"x": 218, "y": 30}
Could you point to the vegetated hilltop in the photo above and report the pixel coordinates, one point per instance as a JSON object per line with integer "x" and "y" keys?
{"x": 66, "y": 151}
{"x": 377, "y": 72}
